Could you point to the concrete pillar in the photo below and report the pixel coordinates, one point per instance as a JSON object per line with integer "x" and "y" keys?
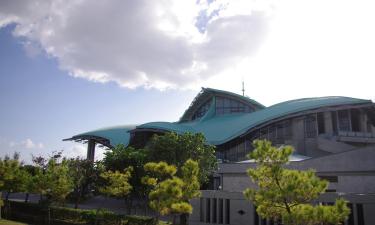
{"x": 91, "y": 150}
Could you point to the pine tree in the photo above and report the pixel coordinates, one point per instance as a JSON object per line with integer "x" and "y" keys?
{"x": 286, "y": 195}
{"x": 117, "y": 183}
{"x": 171, "y": 194}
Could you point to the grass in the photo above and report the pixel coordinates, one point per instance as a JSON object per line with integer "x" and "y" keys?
{"x": 8, "y": 222}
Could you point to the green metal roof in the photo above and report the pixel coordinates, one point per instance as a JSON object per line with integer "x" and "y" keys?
{"x": 221, "y": 129}
{"x": 116, "y": 135}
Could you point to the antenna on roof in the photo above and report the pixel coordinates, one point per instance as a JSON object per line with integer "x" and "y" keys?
{"x": 243, "y": 88}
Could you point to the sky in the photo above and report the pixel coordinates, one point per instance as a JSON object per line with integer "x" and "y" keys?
{"x": 72, "y": 66}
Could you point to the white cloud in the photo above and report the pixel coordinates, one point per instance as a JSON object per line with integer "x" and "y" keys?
{"x": 26, "y": 144}
{"x": 139, "y": 43}
{"x": 25, "y": 147}
{"x": 282, "y": 49}
{"x": 313, "y": 48}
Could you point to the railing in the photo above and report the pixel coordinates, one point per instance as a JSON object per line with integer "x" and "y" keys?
{"x": 356, "y": 134}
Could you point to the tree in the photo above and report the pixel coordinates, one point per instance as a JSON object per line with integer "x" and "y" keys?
{"x": 171, "y": 194}
{"x": 12, "y": 176}
{"x": 121, "y": 157}
{"x": 176, "y": 149}
{"x": 1, "y": 199}
{"x": 29, "y": 187}
{"x": 83, "y": 174}
{"x": 53, "y": 181}
{"x": 286, "y": 195}
{"x": 117, "y": 183}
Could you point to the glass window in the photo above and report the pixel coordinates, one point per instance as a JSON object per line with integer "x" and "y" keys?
{"x": 310, "y": 126}
{"x": 344, "y": 120}
{"x": 228, "y": 106}
{"x": 202, "y": 110}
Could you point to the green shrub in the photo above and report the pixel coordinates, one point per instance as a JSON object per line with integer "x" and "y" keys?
{"x": 38, "y": 214}
{"x": 139, "y": 220}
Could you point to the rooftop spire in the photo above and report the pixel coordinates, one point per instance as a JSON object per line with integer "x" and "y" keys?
{"x": 243, "y": 88}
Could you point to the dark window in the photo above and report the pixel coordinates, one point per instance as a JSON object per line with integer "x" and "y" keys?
{"x": 227, "y": 207}
{"x": 256, "y": 216}
{"x": 310, "y": 126}
{"x": 334, "y": 121}
{"x": 355, "y": 119}
{"x": 202, "y": 110}
{"x": 287, "y": 129}
{"x": 208, "y": 210}
{"x": 272, "y": 133}
{"x": 344, "y": 120}
{"x": 263, "y": 133}
{"x": 214, "y": 213}
{"x": 361, "y": 219}
{"x": 221, "y": 212}
{"x": 351, "y": 215}
{"x": 228, "y": 106}
{"x": 321, "y": 128}
{"x": 201, "y": 213}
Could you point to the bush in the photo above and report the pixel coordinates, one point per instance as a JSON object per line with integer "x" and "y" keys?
{"x": 139, "y": 220}
{"x": 37, "y": 214}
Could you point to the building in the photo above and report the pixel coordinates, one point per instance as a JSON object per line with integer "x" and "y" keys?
{"x": 333, "y": 135}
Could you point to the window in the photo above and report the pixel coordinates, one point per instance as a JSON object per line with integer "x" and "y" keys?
{"x": 321, "y": 127}
{"x": 355, "y": 119}
{"x": 214, "y": 208}
{"x": 228, "y": 106}
{"x": 344, "y": 120}
{"x": 201, "y": 213}
{"x": 227, "y": 209}
{"x": 310, "y": 126}
{"x": 202, "y": 110}
{"x": 208, "y": 210}
{"x": 360, "y": 217}
{"x": 334, "y": 121}
{"x": 221, "y": 211}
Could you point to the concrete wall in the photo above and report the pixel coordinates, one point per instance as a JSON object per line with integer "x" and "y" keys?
{"x": 235, "y": 209}
{"x": 356, "y": 184}
{"x": 236, "y": 182}
{"x": 242, "y": 211}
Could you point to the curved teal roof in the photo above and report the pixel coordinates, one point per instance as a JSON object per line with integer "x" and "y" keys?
{"x": 116, "y": 135}
{"x": 221, "y": 129}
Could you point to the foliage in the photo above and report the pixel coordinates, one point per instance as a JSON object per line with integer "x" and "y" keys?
{"x": 171, "y": 194}
{"x": 117, "y": 183}
{"x": 12, "y": 177}
{"x": 83, "y": 174}
{"x": 35, "y": 214}
{"x": 177, "y": 149}
{"x": 8, "y": 222}
{"x": 53, "y": 180}
{"x": 285, "y": 194}
{"x": 121, "y": 157}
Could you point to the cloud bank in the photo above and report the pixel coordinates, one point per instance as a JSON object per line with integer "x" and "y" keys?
{"x": 153, "y": 44}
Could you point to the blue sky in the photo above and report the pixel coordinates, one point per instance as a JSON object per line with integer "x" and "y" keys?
{"x": 70, "y": 67}
{"x": 42, "y": 103}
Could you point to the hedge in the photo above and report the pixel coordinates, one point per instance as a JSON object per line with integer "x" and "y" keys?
{"x": 33, "y": 213}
